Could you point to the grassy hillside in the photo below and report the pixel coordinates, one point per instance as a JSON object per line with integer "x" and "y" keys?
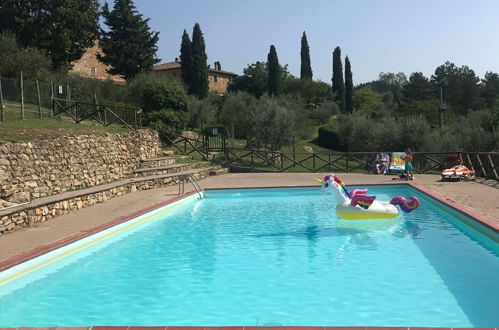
{"x": 31, "y": 129}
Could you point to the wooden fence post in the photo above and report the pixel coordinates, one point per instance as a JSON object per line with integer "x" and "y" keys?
{"x": 2, "y": 115}
{"x": 39, "y": 101}
{"x": 492, "y": 166}
{"x": 481, "y": 166}
{"x": 52, "y": 103}
{"x": 22, "y": 96}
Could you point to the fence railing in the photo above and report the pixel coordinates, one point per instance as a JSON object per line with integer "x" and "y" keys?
{"x": 102, "y": 113}
{"x": 486, "y": 164}
{"x": 186, "y": 145}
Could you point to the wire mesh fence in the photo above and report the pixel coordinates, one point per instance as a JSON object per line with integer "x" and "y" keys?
{"x": 22, "y": 99}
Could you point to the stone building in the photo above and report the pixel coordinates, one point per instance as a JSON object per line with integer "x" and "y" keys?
{"x": 218, "y": 80}
{"x": 89, "y": 66}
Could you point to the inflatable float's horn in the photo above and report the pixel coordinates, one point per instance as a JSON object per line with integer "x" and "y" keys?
{"x": 318, "y": 180}
{"x": 404, "y": 204}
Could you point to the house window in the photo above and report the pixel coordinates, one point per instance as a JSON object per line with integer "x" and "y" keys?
{"x": 92, "y": 72}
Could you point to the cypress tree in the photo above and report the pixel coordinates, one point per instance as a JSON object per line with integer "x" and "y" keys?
{"x": 186, "y": 59}
{"x": 348, "y": 86}
{"x": 272, "y": 71}
{"x": 129, "y": 46}
{"x": 338, "y": 85}
{"x": 199, "y": 82}
{"x": 306, "y": 68}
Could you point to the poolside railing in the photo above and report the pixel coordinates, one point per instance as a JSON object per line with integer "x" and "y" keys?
{"x": 486, "y": 164}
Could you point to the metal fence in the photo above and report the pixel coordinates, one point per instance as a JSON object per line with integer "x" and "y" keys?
{"x": 21, "y": 99}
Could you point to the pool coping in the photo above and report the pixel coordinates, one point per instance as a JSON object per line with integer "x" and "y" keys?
{"x": 489, "y": 222}
{"x": 239, "y": 328}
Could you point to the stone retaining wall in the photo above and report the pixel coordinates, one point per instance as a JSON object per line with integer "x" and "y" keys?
{"x": 47, "y": 167}
{"x": 35, "y": 215}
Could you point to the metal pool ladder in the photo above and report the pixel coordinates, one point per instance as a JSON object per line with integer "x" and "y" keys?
{"x": 193, "y": 181}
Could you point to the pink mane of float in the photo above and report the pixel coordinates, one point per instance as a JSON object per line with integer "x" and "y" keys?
{"x": 404, "y": 204}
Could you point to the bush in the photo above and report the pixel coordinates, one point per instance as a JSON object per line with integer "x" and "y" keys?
{"x": 34, "y": 63}
{"x": 325, "y": 111}
{"x": 159, "y": 95}
{"x": 83, "y": 89}
{"x": 356, "y": 132}
{"x": 165, "y": 104}
{"x": 167, "y": 121}
{"x": 271, "y": 124}
{"x": 235, "y": 113}
{"x": 330, "y": 137}
{"x": 201, "y": 111}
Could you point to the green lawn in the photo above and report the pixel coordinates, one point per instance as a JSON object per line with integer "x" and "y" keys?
{"x": 12, "y": 111}
{"x": 31, "y": 128}
{"x": 301, "y": 161}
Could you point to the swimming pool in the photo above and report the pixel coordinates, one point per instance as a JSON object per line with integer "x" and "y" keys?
{"x": 266, "y": 257}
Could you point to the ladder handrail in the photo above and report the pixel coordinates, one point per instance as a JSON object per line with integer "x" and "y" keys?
{"x": 193, "y": 181}
{"x": 195, "y": 184}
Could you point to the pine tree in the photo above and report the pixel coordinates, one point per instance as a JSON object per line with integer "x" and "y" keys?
{"x": 186, "y": 59}
{"x": 273, "y": 71}
{"x": 129, "y": 46}
{"x": 199, "y": 82}
{"x": 306, "y": 68}
{"x": 338, "y": 85}
{"x": 348, "y": 86}
{"x": 63, "y": 28}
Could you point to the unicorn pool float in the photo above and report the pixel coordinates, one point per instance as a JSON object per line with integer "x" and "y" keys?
{"x": 357, "y": 205}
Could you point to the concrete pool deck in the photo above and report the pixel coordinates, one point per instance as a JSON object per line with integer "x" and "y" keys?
{"x": 479, "y": 199}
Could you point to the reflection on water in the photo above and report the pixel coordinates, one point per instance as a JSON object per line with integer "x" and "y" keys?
{"x": 408, "y": 229}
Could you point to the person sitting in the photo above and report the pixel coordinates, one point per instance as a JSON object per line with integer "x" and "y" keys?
{"x": 381, "y": 163}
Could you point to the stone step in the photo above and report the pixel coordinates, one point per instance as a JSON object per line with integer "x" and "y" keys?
{"x": 168, "y": 152}
{"x": 181, "y": 157}
{"x": 157, "y": 162}
{"x": 45, "y": 208}
{"x": 167, "y": 169}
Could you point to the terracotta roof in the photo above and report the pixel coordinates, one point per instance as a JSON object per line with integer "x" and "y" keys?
{"x": 169, "y": 65}
{"x": 223, "y": 72}
{"x": 175, "y": 65}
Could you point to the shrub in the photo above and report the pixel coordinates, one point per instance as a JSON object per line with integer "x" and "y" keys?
{"x": 235, "y": 113}
{"x": 34, "y": 63}
{"x": 167, "y": 121}
{"x": 271, "y": 125}
{"x": 83, "y": 89}
{"x": 159, "y": 95}
{"x": 165, "y": 105}
{"x": 201, "y": 112}
{"x": 331, "y": 138}
{"x": 325, "y": 111}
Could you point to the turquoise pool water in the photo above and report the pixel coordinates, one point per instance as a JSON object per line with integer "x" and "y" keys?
{"x": 271, "y": 257}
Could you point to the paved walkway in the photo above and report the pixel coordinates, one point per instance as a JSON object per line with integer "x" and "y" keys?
{"x": 482, "y": 198}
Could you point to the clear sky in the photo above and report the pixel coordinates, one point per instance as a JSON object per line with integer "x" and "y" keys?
{"x": 377, "y": 35}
